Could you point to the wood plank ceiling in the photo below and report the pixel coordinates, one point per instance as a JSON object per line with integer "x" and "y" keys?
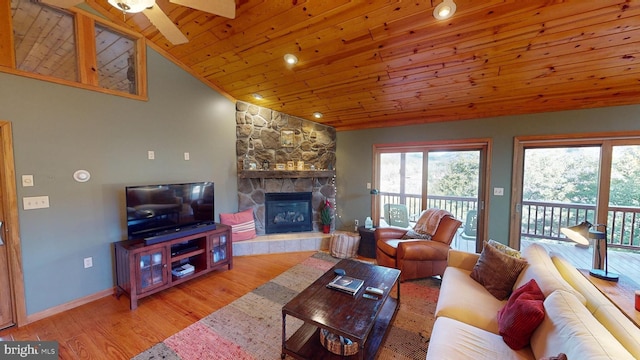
{"x": 369, "y": 64}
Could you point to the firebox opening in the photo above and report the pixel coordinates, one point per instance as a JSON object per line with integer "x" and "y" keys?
{"x": 288, "y": 212}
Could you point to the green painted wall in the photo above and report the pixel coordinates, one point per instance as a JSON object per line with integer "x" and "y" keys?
{"x": 60, "y": 129}
{"x": 354, "y": 153}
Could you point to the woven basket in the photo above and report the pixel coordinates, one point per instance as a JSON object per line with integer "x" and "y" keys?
{"x": 338, "y": 345}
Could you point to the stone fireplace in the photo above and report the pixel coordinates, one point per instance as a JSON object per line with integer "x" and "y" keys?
{"x": 260, "y": 140}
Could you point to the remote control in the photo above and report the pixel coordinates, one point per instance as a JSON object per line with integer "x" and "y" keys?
{"x": 369, "y": 296}
{"x": 373, "y": 290}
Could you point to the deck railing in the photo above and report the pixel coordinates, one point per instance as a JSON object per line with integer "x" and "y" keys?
{"x": 541, "y": 220}
{"x": 457, "y": 205}
{"x": 544, "y": 220}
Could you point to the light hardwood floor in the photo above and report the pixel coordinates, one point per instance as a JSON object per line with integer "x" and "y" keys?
{"x": 107, "y": 329}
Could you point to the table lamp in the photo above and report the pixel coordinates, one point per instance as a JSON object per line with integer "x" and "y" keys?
{"x": 579, "y": 233}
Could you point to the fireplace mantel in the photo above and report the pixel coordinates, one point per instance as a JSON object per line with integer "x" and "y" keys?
{"x": 285, "y": 174}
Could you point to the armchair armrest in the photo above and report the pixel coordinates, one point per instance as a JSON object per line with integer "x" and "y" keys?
{"x": 462, "y": 259}
{"x": 388, "y": 233}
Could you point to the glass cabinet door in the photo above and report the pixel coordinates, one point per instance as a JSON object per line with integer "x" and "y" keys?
{"x": 218, "y": 248}
{"x": 152, "y": 269}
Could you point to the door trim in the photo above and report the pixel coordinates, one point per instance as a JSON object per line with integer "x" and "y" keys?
{"x": 12, "y": 227}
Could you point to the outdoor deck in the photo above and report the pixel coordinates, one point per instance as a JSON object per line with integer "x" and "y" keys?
{"x": 625, "y": 262}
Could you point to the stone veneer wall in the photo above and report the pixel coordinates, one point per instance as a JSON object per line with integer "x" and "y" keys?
{"x": 258, "y": 139}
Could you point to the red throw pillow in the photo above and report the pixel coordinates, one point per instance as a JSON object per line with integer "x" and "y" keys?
{"x": 243, "y": 227}
{"x": 522, "y": 314}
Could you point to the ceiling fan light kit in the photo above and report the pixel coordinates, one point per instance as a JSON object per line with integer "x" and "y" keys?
{"x": 444, "y": 10}
{"x": 132, "y": 6}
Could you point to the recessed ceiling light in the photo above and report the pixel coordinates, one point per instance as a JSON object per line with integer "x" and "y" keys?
{"x": 257, "y": 96}
{"x": 290, "y": 59}
{"x": 317, "y": 115}
{"x": 444, "y": 10}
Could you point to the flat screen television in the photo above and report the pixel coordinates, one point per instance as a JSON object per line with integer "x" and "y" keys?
{"x": 156, "y": 209}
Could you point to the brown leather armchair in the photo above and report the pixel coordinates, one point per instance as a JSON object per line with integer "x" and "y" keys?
{"x": 416, "y": 258}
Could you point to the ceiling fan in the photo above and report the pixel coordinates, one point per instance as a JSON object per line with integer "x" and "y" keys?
{"x": 225, "y": 8}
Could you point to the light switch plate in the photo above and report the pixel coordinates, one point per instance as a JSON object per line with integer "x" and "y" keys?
{"x": 498, "y": 191}
{"x": 27, "y": 180}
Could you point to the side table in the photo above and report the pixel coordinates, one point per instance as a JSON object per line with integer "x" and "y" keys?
{"x": 367, "y": 247}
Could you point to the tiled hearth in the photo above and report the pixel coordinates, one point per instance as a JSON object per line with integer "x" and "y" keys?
{"x": 282, "y": 243}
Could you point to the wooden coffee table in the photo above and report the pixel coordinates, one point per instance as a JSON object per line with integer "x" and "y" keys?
{"x": 362, "y": 320}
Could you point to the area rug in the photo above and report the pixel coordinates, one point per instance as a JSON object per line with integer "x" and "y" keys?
{"x": 251, "y": 326}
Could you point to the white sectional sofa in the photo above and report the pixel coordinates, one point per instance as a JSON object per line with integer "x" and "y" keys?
{"x": 579, "y": 321}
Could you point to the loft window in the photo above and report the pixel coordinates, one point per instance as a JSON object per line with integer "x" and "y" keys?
{"x": 71, "y": 47}
{"x": 44, "y": 40}
{"x": 116, "y": 55}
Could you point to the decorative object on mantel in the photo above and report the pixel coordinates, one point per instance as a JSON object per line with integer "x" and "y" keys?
{"x": 286, "y": 138}
{"x": 280, "y": 166}
{"x": 265, "y": 165}
{"x": 326, "y": 216}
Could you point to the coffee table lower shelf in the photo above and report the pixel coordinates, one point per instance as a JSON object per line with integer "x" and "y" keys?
{"x": 305, "y": 342}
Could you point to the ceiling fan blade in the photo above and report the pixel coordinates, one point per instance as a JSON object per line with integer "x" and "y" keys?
{"x": 62, "y": 3}
{"x": 166, "y": 27}
{"x": 226, "y": 8}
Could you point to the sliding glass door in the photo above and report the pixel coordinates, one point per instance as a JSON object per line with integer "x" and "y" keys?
{"x": 560, "y": 183}
{"x": 410, "y": 179}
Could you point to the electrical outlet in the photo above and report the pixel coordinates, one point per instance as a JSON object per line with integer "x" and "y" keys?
{"x": 88, "y": 262}
{"x": 187, "y": 156}
{"x": 151, "y": 155}
{"x": 35, "y": 202}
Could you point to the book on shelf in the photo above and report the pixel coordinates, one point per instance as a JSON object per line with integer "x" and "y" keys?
{"x": 183, "y": 270}
{"x": 346, "y": 284}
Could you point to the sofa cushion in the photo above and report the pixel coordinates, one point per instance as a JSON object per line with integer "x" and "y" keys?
{"x": 626, "y": 332}
{"x": 242, "y": 224}
{"x": 542, "y": 269}
{"x": 497, "y": 272}
{"x": 604, "y": 311}
{"x": 452, "y": 339}
{"x": 521, "y": 315}
{"x": 568, "y": 327}
{"x": 463, "y": 299}
{"x": 593, "y": 297}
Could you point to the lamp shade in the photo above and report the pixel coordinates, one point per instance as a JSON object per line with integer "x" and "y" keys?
{"x": 578, "y": 233}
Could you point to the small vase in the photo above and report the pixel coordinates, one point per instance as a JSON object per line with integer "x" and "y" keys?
{"x": 326, "y": 229}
